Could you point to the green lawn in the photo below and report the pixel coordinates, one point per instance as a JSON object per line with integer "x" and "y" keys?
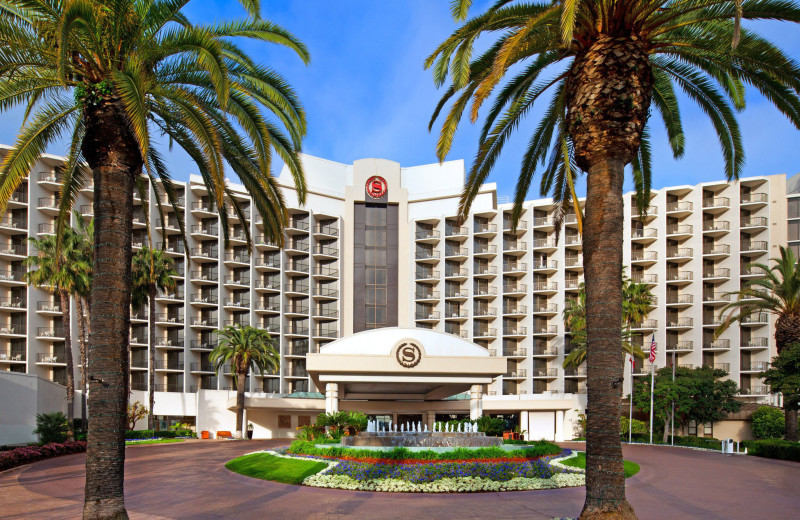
{"x": 152, "y": 441}
{"x": 631, "y": 468}
{"x": 270, "y": 467}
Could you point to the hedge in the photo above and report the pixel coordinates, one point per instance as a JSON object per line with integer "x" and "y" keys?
{"x": 536, "y": 449}
{"x": 708, "y": 443}
{"x": 774, "y": 449}
{"x": 159, "y": 434}
{"x": 27, "y": 454}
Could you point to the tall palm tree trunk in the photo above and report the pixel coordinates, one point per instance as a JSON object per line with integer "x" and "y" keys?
{"x": 82, "y": 343}
{"x": 787, "y": 332}
{"x": 115, "y": 160}
{"x": 241, "y": 377}
{"x": 151, "y": 386}
{"x": 606, "y": 128}
{"x": 64, "y": 298}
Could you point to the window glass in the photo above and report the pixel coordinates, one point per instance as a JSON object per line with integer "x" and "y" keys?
{"x": 794, "y": 207}
{"x": 794, "y": 230}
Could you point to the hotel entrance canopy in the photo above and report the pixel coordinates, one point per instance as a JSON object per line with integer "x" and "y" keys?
{"x": 401, "y": 364}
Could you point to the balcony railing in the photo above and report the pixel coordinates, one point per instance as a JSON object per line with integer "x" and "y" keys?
{"x": 328, "y": 230}
{"x": 203, "y": 344}
{"x": 485, "y": 291}
{"x": 485, "y": 333}
{"x": 752, "y": 198}
{"x": 47, "y": 332}
{"x": 680, "y": 322}
{"x": 679, "y": 206}
{"x": 205, "y": 322}
{"x": 545, "y": 329}
{"x": 483, "y": 249}
{"x": 205, "y": 298}
{"x": 515, "y": 331}
{"x": 762, "y": 317}
{"x": 161, "y": 364}
{"x": 516, "y": 374}
{"x": 170, "y": 387}
{"x": 545, "y": 372}
{"x": 12, "y": 355}
{"x": 544, "y": 286}
{"x": 679, "y": 276}
{"x": 427, "y": 255}
{"x": 238, "y": 257}
{"x": 754, "y": 390}
{"x": 13, "y": 303}
{"x": 204, "y": 253}
{"x": 645, "y": 256}
{"x": 431, "y": 315}
{"x": 43, "y": 357}
{"x": 426, "y": 234}
{"x": 485, "y": 270}
{"x": 515, "y": 246}
{"x": 716, "y": 202}
{"x": 716, "y": 225}
{"x": 680, "y": 252}
{"x": 718, "y": 344}
{"x": 755, "y": 366}
{"x": 679, "y": 229}
{"x": 485, "y": 228}
{"x": 456, "y": 251}
{"x": 644, "y": 233}
{"x": 716, "y": 249}
{"x": 575, "y": 371}
{"x": 237, "y": 280}
{"x": 518, "y": 267}
{"x": 205, "y": 230}
{"x": 754, "y": 222}
{"x": 15, "y": 223}
{"x": 515, "y": 288}
{"x": 758, "y": 245}
{"x": 454, "y": 231}
{"x": 518, "y": 309}
{"x": 717, "y": 273}
{"x": 680, "y": 299}
{"x": 680, "y": 345}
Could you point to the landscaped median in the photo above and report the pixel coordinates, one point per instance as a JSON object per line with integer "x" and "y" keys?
{"x": 401, "y": 470}
{"x": 27, "y": 454}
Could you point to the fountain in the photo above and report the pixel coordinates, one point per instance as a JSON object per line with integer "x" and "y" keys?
{"x": 416, "y": 435}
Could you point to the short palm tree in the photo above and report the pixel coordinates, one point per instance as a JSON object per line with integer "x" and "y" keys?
{"x": 58, "y": 267}
{"x": 240, "y": 348}
{"x": 152, "y": 271}
{"x": 116, "y": 78}
{"x": 83, "y": 298}
{"x": 603, "y": 66}
{"x": 777, "y": 293}
{"x": 637, "y": 303}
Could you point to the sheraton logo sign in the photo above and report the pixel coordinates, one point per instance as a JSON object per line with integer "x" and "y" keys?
{"x": 408, "y": 354}
{"x": 376, "y": 187}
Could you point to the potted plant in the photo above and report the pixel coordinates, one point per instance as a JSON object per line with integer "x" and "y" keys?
{"x": 249, "y": 430}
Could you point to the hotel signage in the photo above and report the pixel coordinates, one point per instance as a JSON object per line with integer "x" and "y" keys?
{"x": 408, "y": 354}
{"x": 377, "y": 188}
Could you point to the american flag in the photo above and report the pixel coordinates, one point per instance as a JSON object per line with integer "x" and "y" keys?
{"x": 653, "y": 350}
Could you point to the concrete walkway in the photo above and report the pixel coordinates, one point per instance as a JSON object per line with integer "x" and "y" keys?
{"x": 188, "y": 480}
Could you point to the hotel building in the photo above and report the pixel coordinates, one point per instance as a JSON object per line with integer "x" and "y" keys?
{"x": 379, "y": 246}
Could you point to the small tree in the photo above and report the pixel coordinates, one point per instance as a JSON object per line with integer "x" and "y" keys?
{"x": 768, "y": 423}
{"x": 51, "y": 427}
{"x": 784, "y": 376}
{"x": 699, "y": 395}
{"x": 136, "y": 412}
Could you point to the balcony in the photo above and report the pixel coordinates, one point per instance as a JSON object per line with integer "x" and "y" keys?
{"x": 515, "y": 268}
{"x": 297, "y": 248}
{"x": 515, "y": 352}
{"x": 545, "y": 330}
{"x": 544, "y": 352}
{"x": 456, "y": 232}
{"x": 12, "y": 356}
{"x": 47, "y": 333}
{"x": 546, "y": 267}
{"x": 518, "y": 311}
{"x": 237, "y": 281}
{"x": 427, "y": 235}
{"x": 456, "y": 294}
{"x": 429, "y": 275}
{"x": 204, "y": 300}
{"x": 293, "y": 330}
{"x": 326, "y": 333}
{"x": 575, "y": 372}
{"x": 519, "y": 229}
{"x": 716, "y": 228}
{"x": 754, "y": 248}
{"x": 237, "y": 303}
{"x": 198, "y": 344}
{"x": 754, "y": 199}
{"x": 644, "y": 257}
{"x": 205, "y": 323}
{"x": 647, "y": 279}
{"x": 199, "y": 254}
{"x": 298, "y": 225}
{"x": 680, "y": 254}
{"x": 754, "y": 366}
{"x": 680, "y": 300}
{"x": 719, "y": 345}
{"x": 431, "y": 256}
{"x": 719, "y": 366}
{"x": 43, "y": 358}
{"x": 544, "y": 245}
{"x": 514, "y": 247}
{"x": 544, "y": 373}
{"x": 202, "y": 367}
{"x": 297, "y": 289}
{"x": 428, "y": 317}
{"x": 755, "y": 390}
{"x": 456, "y": 315}
{"x": 485, "y": 271}
{"x": 482, "y": 228}
{"x": 13, "y": 304}
{"x": 484, "y": 250}
{"x": 755, "y": 320}
{"x": 326, "y": 293}
{"x": 515, "y": 289}
{"x": 451, "y": 273}
{"x": 169, "y": 387}
{"x": 484, "y": 333}
{"x": 677, "y": 277}
{"x": 649, "y": 324}
{"x": 679, "y": 208}
{"x": 174, "y": 248}
{"x": 644, "y": 235}
{"x": 326, "y": 272}
{"x": 680, "y": 231}
{"x": 519, "y": 332}
{"x": 169, "y": 319}
{"x": 261, "y": 242}
{"x": 456, "y": 253}
{"x": 201, "y": 232}
{"x": 716, "y": 275}
{"x": 545, "y": 308}
{"x": 716, "y": 298}
{"x": 716, "y": 205}
{"x": 545, "y": 287}
{"x": 484, "y": 292}
{"x": 168, "y": 365}
{"x": 683, "y": 323}
{"x": 753, "y": 225}
{"x": 271, "y": 307}
{"x": 755, "y": 343}
{"x": 716, "y": 251}
{"x": 516, "y": 374}
{"x": 173, "y": 297}
{"x": 297, "y": 268}
{"x": 680, "y": 346}
{"x": 271, "y": 285}
{"x": 573, "y": 241}
{"x": 14, "y": 225}
{"x": 326, "y": 252}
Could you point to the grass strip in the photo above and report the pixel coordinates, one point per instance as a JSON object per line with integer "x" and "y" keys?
{"x": 631, "y": 468}
{"x": 152, "y": 441}
{"x": 278, "y": 469}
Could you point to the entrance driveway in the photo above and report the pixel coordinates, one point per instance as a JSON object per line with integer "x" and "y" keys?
{"x": 188, "y": 480}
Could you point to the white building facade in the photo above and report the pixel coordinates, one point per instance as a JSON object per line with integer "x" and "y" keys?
{"x": 378, "y": 245}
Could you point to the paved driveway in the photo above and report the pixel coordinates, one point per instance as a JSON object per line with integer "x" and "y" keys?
{"x": 188, "y": 481}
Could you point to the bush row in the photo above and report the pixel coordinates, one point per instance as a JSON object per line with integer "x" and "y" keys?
{"x": 708, "y": 443}
{"x": 536, "y": 449}
{"x": 161, "y": 434}
{"x": 774, "y": 449}
{"x": 27, "y": 454}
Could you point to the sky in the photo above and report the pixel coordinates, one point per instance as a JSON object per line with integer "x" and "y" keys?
{"x": 366, "y": 93}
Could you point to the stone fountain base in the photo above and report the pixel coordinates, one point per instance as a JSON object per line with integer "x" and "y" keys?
{"x": 422, "y": 440}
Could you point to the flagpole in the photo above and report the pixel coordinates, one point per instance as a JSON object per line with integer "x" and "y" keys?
{"x": 630, "y": 412}
{"x": 652, "y": 385}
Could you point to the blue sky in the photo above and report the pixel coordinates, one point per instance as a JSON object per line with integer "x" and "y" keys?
{"x": 366, "y": 93}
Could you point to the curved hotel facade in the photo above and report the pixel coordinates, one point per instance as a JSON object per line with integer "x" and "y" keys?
{"x": 379, "y": 246}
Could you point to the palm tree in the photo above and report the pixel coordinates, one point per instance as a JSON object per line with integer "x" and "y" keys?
{"x": 604, "y": 64}
{"x": 637, "y": 303}
{"x": 83, "y": 298}
{"x": 115, "y": 77}
{"x": 57, "y": 266}
{"x": 240, "y": 348}
{"x": 152, "y": 271}
{"x": 778, "y": 293}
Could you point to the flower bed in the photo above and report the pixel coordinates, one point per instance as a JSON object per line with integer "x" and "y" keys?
{"x": 446, "y": 476}
{"x": 534, "y": 450}
{"x": 27, "y": 454}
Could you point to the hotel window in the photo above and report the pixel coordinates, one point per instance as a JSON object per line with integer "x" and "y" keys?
{"x": 375, "y": 268}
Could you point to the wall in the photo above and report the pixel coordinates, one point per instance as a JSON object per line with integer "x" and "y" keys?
{"x": 25, "y": 395}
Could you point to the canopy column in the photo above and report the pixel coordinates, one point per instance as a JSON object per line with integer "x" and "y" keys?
{"x": 475, "y": 402}
{"x": 331, "y": 397}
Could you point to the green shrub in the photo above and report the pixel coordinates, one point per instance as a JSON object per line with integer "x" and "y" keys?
{"x": 774, "y": 449}
{"x": 161, "y": 434}
{"x": 768, "y": 423}
{"x": 535, "y": 449}
{"x": 51, "y": 427}
{"x": 491, "y": 426}
{"x": 637, "y": 426}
